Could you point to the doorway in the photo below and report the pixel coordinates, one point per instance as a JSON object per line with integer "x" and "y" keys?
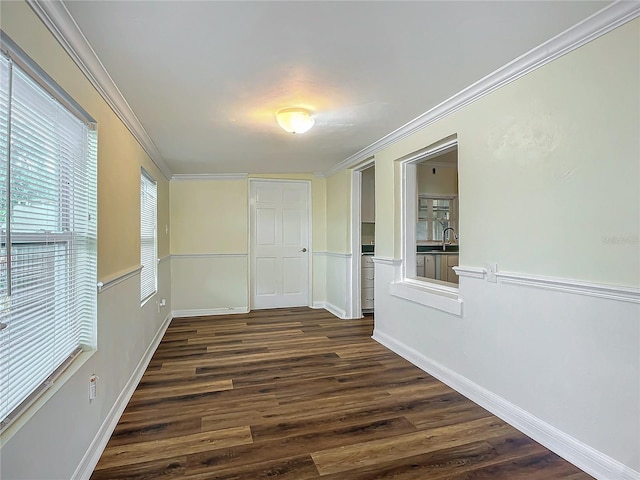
{"x": 279, "y": 243}
{"x": 362, "y": 240}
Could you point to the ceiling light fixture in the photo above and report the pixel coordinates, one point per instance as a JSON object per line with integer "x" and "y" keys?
{"x": 294, "y": 120}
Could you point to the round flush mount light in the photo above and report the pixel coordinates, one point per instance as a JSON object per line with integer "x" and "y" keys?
{"x": 294, "y": 120}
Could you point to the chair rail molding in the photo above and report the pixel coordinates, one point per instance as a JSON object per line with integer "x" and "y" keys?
{"x": 566, "y": 285}
{"x": 179, "y": 256}
{"x": 114, "y": 280}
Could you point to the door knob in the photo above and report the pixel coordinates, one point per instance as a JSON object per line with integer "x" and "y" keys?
{"x": 303, "y": 250}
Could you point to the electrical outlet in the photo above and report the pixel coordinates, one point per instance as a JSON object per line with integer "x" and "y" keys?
{"x": 492, "y": 268}
{"x": 93, "y": 386}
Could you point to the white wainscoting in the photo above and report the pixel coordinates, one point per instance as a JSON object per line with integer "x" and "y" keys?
{"x": 339, "y": 299}
{"x": 556, "y": 358}
{"x": 91, "y": 457}
{"x": 120, "y": 316}
{"x": 128, "y": 334}
{"x": 209, "y": 284}
{"x": 319, "y": 283}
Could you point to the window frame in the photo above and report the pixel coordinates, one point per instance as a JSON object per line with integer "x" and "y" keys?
{"x": 147, "y": 294}
{"x": 431, "y": 218}
{"x": 83, "y": 274}
{"x": 425, "y": 291}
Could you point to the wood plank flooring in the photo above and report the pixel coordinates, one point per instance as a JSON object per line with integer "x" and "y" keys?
{"x": 293, "y": 394}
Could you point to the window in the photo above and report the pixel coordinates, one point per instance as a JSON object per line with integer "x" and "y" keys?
{"x": 48, "y": 237}
{"x": 148, "y": 236}
{"x": 429, "y": 226}
{"x": 435, "y": 214}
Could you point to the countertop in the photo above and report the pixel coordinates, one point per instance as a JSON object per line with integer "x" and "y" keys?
{"x": 437, "y": 249}
{"x": 430, "y": 249}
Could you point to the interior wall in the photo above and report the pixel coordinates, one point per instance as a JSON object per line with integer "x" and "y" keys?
{"x": 52, "y": 443}
{"x": 209, "y": 243}
{"x": 537, "y": 158}
{"x": 549, "y": 188}
{"x": 209, "y": 246}
{"x": 443, "y": 182}
{"x": 338, "y": 254}
{"x": 209, "y": 216}
{"x": 338, "y": 212}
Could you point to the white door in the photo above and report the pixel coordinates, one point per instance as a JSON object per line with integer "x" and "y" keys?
{"x": 279, "y": 244}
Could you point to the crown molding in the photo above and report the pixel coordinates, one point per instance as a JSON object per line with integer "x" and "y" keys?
{"x": 206, "y": 176}
{"x": 61, "y": 24}
{"x": 56, "y": 17}
{"x": 598, "y": 24}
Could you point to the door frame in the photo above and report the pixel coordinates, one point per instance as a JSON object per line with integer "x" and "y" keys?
{"x": 355, "y": 306}
{"x": 250, "y": 206}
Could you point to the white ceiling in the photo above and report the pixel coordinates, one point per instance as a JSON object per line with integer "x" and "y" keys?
{"x": 205, "y": 78}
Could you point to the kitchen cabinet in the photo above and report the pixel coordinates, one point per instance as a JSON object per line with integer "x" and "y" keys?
{"x": 450, "y": 275}
{"x": 367, "y": 279}
{"x": 437, "y": 266}
{"x": 426, "y": 265}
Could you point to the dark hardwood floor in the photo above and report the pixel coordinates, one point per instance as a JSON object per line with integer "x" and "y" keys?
{"x": 296, "y": 394}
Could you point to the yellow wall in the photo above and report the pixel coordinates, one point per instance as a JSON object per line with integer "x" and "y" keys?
{"x": 119, "y": 154}
{"x": 443, "y": 182}
{"x": 319, "y": 213}
{"x": 548, "y": 169}
{"x": 209, "y": 216}
{"x": 339, "y": 212}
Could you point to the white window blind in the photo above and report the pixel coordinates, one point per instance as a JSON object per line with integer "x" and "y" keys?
{"x": 148, "y": 235}
{"x": 48, "y": 237}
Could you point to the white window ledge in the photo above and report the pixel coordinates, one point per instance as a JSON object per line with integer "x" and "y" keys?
{"x": 432, "y": 295}
{"x": 38, "y": 402}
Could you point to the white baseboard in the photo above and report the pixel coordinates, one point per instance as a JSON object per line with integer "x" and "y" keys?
{"x": 203, "y": 312}
{"x": 583, "y": 456}
{"x": 93, "y": 453}
{"x": 338, "y": 312}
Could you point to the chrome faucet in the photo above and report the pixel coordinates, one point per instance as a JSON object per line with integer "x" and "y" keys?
{"x": 444, "y": 237}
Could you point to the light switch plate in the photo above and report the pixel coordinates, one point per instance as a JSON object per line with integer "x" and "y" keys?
{"x": 492, "y": 268}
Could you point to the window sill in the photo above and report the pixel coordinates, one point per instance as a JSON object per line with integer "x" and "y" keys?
{"x": 39, "y": 402}
{"x": 146, "y": 300}
{"x": 432, "y": 295}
